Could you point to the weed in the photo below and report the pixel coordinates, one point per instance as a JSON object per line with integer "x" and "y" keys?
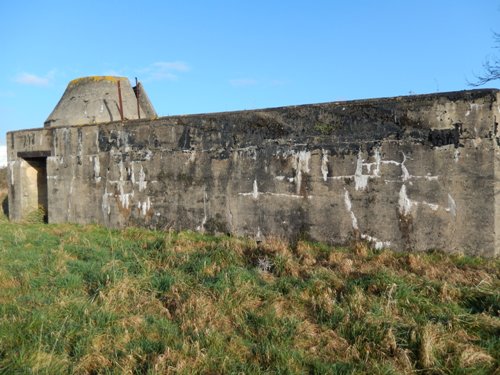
{"x": 323, "y": 129}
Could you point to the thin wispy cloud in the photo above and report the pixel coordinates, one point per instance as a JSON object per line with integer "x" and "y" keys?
{"x": 248, "y": 82}
{"x": 278, "y": 82}
{"x": 35, "y": 80}
{"x": 31, "y": 79}
{"x": 164, "y": 70}
{"x": 242, "y": 82}
{"x": 178, "y": 66}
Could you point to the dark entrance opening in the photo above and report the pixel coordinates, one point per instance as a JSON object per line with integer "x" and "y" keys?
{"x": 35, "y": 187}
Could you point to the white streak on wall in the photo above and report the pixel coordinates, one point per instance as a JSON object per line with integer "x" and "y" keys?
{"x": 97, "y": 168}
{"x": 432, "y": 206}
{"x": 360, "y": 180}
{"x": 255, "y": 192}
{"x": 301, "y": 165}
{"x": 373, "y": 169}
{"x": 192, "y": 157}
{"x": 11, "y": 171}
{"x": 280, "y": 178}
{"x": 394, "y": 162}
{"x": 477, "y": 141}
{"x": 70, "y": 195}
{"x": 295, "y": 196}
{"x": 376, "y": 163}
{"x": 142, "y": 179}
{"x": 405, "y": 203}
{"x": 475, "y": 107}
{"x": 324, "y": 165}
{"x": 122, "y": 170}
{"x": 125, "y": 197}
{"x": 132, "y": 173}
{"x": 428, "y": 177}
{"x": 145, "y": 206}
{"x": 121, "y": 180}
{"x": 106, "y": 208}
{"x": 405, "y": 175}
{"x": 348, "y": 206}
{"x": 378, "y": 244}
{"x": 452, "y": 206}
{"x": 201, "y": 227}
{"x": 348, "y": 177}
{"x": 123, "y": 137}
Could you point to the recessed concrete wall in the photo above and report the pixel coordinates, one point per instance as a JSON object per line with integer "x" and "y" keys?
{"x": 412, "y": 173}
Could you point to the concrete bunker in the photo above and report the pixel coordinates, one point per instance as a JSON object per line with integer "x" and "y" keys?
{"x": 406, "y": 173}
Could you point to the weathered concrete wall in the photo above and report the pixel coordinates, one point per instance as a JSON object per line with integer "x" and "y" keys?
{"x": 418, "y": 172}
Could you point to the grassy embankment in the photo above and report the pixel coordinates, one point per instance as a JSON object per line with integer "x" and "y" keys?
{"x": 85, "y": 299}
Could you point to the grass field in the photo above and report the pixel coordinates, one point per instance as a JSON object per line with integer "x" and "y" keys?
{"x": 89, "y": 300}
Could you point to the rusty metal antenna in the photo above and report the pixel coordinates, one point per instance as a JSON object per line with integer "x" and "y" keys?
{"x": 137, "y": 93}
{"x": 120, "y": 99}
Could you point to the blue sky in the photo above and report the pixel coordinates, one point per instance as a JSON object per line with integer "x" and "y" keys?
{"x": 209, "y": 56}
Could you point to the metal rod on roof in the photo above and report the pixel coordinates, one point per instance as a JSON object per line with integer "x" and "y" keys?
{"x": 120, "y": 100}
{"x": 137, "y": 93}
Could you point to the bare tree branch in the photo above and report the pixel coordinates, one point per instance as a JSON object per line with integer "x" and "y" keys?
{"x": 491, "y": 67}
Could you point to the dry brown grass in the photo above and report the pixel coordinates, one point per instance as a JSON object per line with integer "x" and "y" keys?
{"x": 360, "y": 249}
{"x": 200, "y": 313}
{"x": 41, "y": 362}
{"x": 184, "y": 303}
{"x": 92, "y": 363}
{"x": 472, "y": 356}
{"x": 429, "y": 344}
{"x": 317, "y": 340}
{"x": 128, "y": 295}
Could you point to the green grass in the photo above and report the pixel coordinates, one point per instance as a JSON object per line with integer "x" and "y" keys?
{"x": 89, "y": 300}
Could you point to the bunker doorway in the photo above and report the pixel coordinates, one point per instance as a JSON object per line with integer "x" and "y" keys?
{"x": 35, "y": 194}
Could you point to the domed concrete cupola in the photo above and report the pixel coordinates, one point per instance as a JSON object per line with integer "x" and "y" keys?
{"x": 100, "y": 99}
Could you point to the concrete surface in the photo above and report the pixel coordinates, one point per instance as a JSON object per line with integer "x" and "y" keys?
{"x": 407, "y": 173}
{"x": 92, "y": 100}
